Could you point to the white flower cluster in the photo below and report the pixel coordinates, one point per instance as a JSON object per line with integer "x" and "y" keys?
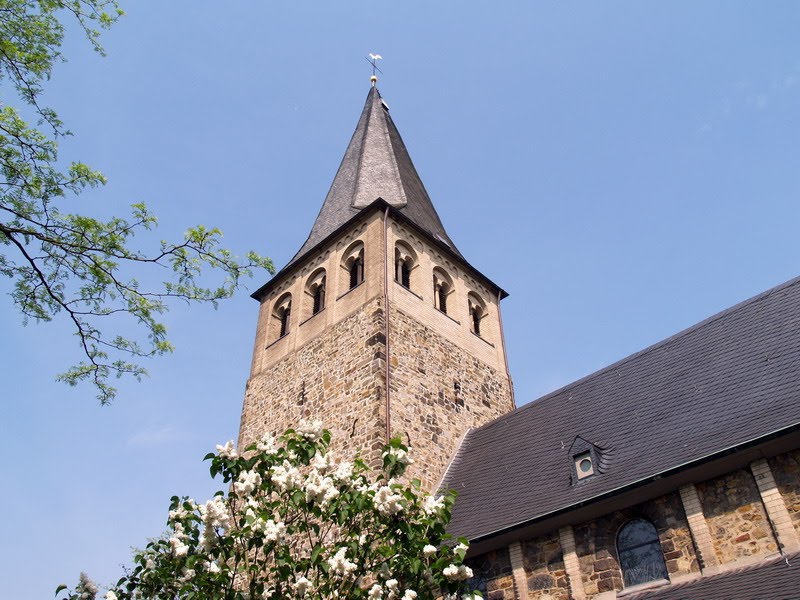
{"x": 180, "y": 513}
{"x": 460, "y": 573}
{"x": 285, "y": 477}
{"x": 400, "y": 455}
{"x": 429, "y": 550}
{"x": 387, "y": 502}
{"x": 176, "y": 541}
{"x": 248, "y": 482}
{"x": 340, "y": 565}
{"x": 320, "y": 490}
{"x": 266, "y": 445}
{"x": 302, "y": 585}
{"x": 343, "y": 472}
{"x": 214, "y": 514}
{"x": 310, "y": 430}
{"x": 432, "y": 505}
{"x": 228, "y": 450}
{"x": 392, "y": 592}
{"x": 110, "y": 595}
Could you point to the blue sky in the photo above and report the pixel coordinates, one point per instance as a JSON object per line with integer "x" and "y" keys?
{"x": 623, "y": 169}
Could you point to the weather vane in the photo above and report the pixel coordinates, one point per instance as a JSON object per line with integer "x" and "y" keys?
{"x": 373, "y": 60}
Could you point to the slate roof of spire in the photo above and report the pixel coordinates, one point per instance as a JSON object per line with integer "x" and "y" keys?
{"x": 727, "y": 381}
{"x": 376, "y": 165}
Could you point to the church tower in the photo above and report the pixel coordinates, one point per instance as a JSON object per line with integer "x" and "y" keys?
{"x": 379, "y": 326}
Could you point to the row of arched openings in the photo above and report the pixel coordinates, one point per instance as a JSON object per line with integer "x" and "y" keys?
{"x": 352, "y": 265}
{"x": 316, "y": 289}
{"x": 405, "y": 262}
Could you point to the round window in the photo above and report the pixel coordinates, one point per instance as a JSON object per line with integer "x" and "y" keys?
{"x": 585, "y": 465}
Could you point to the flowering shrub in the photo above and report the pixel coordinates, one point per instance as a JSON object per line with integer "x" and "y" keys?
{"x": 297, "y": 523}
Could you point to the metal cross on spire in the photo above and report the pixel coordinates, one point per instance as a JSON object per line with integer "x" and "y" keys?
{"x": 373, "y": 60}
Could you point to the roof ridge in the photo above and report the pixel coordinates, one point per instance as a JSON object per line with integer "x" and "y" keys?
{"x": 652, "y": 347}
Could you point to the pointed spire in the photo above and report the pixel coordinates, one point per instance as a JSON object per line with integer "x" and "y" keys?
{"x": 376, "y": 165}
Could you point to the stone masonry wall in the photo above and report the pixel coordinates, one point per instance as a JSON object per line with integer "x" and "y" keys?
{"x": 336, "y": 377}
{"x": 438, "y": 391}
{"x": 736, "y": 517}
{"x": 786, "y": 471}
{"x": 596, "y": 543}
{"x": 544, "y": 568}
{"x": 492, "y": 575}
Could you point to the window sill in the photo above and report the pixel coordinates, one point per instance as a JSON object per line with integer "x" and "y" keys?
{"x": 283, "y": 337}
{"x": 640, "y": 587}
{"x": 407, "y": 289}
{"x": 448, "y": 316}
{"x": 483, "y": 339}
{"x": 312, "y": 316}
{"x": 348, "y": 291}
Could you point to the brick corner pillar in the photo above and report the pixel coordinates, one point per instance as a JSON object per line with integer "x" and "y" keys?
{"x": 698, "y": 527}
{"x": 777, "y": 513}
{"x": 518, "y": 570}
{"x": 571, "y": 564}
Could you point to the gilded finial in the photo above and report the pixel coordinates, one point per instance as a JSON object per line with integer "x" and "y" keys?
{"x": 373, "y": 60}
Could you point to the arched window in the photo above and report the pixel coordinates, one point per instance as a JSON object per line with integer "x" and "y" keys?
{"x": 442, "y": 287}
{"x": 639, "y": 550}
{"x": 477, "y": 310}
{"x": 315, "y": 288}
{"x": 404, "y": 260}
{"x": 281, "y": 313}
{"x": 353, "y": 264}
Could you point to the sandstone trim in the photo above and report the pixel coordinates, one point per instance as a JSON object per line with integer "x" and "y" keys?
{"x": 518, "y": 570}
{"x": 567, "y": 538}
{"x": 698, "y": 526}
{"x": 777, "y": 512}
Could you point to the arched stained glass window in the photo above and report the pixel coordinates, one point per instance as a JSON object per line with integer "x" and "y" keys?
{"x": 640, "y": 556}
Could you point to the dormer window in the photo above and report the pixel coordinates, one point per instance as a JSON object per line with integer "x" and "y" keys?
{"x": 587, "y": 460}
{"x": 584, "y": 467}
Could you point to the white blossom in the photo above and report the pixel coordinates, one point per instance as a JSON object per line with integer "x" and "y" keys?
{"x": 302, "y": 586}
{"x": 310, "y": 430}
{"x": 400, "y": 455}
{"x": 460, "y": 548}
{"x": 409, "y": 595}
{"x": 228, "y": 450}
{"x": 392, "y": 584}
{"x": 247, "y": 483}
{"x": 319, "y": 489}
{"x": 433, "y": 504}
{"x": 387, "y": 502}
{"x": 285, "y": 477}
{"x": 267, "y": 445}
{"x": 375, "y": 592}
{"x": 460, "y": 573}
{"x": 110, "y": 595}
{"x": 178, "y": 547}
{"x": 339, "y": 563}
{"x": 429, "y": 550}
